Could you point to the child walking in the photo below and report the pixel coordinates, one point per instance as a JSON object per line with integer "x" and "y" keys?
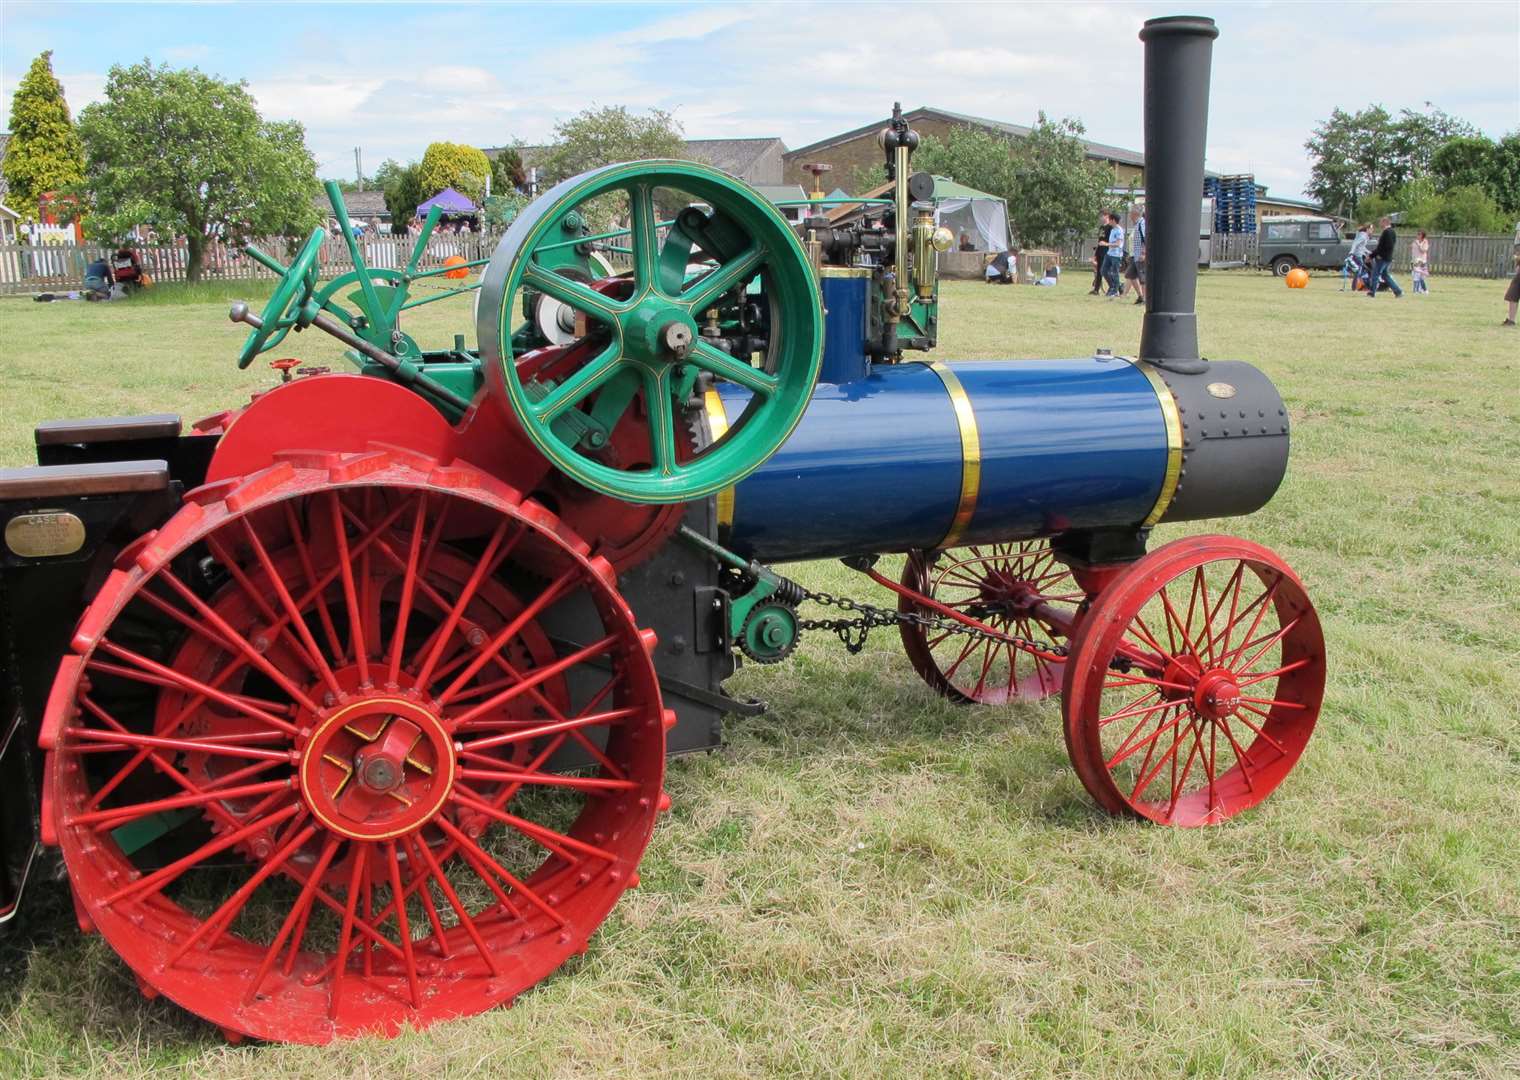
{"x": 1419, "y": 259}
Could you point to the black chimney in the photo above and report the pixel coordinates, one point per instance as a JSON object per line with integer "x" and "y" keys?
{"x": 1178, "y": 50}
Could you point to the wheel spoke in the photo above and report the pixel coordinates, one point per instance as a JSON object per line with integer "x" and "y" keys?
{"x": 661, "y": 411}
{"x": 403, "y": 930}
{"x": 495, "y": 867}
{"x": 296, "y": 916}
{"x": 303, "y": 553}
{"x": 567, "y": 291}
{"x": 492, "y": 649}
{"x": 240, "y": 646}
{"x": 710, "y": 358}
{"x": 159, "y": 878}
{"x": 114, "y": 816}
{"x": 345, "y": 936}
{"x": 470, "y": 929}
{"x": 496, "y": 701}
{"x": 356, "y": 640}
{"x": 292, "y": 610}
{"x": 580, "y": 384}
{"x": 404, "y": 607}
{"x": 485, "y": 564}
{"x": 708, "y": 290}
{"x": 644, "y": 237}
{"x": 185, "y": 682}
{"x": 217, "y": 922}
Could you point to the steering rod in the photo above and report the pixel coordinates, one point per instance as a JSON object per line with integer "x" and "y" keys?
{"x": 405, "y": 373}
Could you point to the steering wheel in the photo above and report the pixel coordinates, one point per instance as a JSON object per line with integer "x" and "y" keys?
{"x": 642, "y": 339}
{"x": 287, "y": 308}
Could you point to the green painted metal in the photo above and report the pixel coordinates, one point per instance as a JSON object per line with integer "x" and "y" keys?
{"x": 745, "y": 236}
{"x": 290, "y": 306}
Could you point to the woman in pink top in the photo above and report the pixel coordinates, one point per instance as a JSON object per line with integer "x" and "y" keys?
{"x": 1419, "y": 258}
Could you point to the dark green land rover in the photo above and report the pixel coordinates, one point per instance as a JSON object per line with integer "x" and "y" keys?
{"x": 1306, "y": 240}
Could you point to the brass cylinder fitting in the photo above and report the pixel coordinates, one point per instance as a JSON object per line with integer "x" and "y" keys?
{"x": 923, "y": 252}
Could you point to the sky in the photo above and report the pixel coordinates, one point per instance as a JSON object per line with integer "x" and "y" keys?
{"x": 390, "y": 78}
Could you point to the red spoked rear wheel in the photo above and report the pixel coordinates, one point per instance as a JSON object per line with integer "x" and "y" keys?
{"x": 1194, "y": 682}
{"x": 340, "y": 681}
{"x": 1018, "y": 588}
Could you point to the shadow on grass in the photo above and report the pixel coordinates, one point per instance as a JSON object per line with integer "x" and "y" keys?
{"x": 57, "y": 982}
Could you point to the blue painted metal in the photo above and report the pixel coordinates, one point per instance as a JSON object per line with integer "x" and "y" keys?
{"x": 876, "y": 466}
{"x": 844, "y": 331}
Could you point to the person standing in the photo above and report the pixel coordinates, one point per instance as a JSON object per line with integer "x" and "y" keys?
{"x": 1356, "y": 261}
{"x": 1512, "y": 294}
{"x": 1382, "y": 259}
{"x": 1135, "y": 274}
{"x": 1419, "y": 263}
{"x": 1099, "y": 250}
{"x": 1114, "y": 255}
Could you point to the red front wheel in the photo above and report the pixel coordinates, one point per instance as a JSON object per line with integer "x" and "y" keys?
{"x": 1194, "y": 683}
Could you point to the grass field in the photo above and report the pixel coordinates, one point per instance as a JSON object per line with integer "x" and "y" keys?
{"x": 871, "y": 882}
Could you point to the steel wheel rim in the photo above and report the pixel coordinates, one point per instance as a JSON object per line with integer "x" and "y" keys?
{"x": 488, "y": 928}
{"x": 975, "y": 579}
{"x": 1226, "y": 671}
{"x": 779, "y": 393}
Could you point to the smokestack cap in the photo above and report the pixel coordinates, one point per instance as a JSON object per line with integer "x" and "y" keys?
{"x": 1178, "y": 24}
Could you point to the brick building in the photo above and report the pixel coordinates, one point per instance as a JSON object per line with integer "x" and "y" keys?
{"x": 757, "y": 161}
{"x": 854, "y": 151}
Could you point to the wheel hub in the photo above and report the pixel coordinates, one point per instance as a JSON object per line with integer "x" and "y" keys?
{"x": 377, "y": 767}
{"x": 1217, "y": 695}
{"x": 657, "y": 332}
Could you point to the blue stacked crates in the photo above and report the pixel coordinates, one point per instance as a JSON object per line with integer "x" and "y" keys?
{"x": 1234, "y": 202}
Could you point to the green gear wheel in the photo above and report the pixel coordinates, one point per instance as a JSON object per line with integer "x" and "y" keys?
{"x": 643, "y": 335}
{"x": 770, "y": 633}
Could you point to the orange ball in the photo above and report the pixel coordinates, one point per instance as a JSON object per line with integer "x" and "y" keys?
{"x": 1298, "y": 278}
{"x": 460, "y": 269}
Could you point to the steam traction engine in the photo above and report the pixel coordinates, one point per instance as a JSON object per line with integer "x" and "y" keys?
{"x": 349, "y": 709}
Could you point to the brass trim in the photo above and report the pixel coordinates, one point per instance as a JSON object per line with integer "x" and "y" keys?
{"x": 717, "y": 425}
{"x": 971, "y": 452}
{"x": 1173, "y": 420}
{"x": 846, "y": 271}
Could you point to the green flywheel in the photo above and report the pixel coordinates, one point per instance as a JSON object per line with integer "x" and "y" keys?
{"x": 721, "y": 291}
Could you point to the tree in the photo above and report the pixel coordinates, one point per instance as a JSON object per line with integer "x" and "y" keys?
{"x": 1463, "y": 161}
{"x": 453, "y": 165}
{"x": 1467, "y": 209}
{"x": 1353, "y": 156}
{"x": 500, "y": 210}
{"x": 1415, "y": 138}
{"x": 1504, "y": 174}
{"x": 864, "y": 178}
{"x": 973, "y": 156}
{"x": 402, "y": 185}
{"x": 507, "y": 172}
{"x": 44, "y": 153}
{"x": 1058, "y": 189}
{"x": 1050, "y": 184}
{"x": 188, "y": 154}
{"x": 602, "y": 136}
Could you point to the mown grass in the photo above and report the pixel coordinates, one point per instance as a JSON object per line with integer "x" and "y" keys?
{"x": 870, "y": 882}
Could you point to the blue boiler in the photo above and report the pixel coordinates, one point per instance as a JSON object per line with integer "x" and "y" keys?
{"x": 929, "y": 454}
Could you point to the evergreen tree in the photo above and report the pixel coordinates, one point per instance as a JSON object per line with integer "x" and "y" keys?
{"x": 44, "y": 153}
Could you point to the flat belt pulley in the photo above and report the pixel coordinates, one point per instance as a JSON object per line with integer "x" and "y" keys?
{"x": 722, "y": 290}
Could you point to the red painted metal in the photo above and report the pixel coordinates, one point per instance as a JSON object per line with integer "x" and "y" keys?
{"x": 1194, "y": 682}
{"x": 360, "y": 708}
{"x": 354, "y": 413}
{"x": 1013, "y": 588}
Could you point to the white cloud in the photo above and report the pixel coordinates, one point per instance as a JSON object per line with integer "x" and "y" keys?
{"x": 803, "y": 72}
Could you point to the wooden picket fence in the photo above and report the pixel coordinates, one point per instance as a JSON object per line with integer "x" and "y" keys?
{"x": 27, "y": 269}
